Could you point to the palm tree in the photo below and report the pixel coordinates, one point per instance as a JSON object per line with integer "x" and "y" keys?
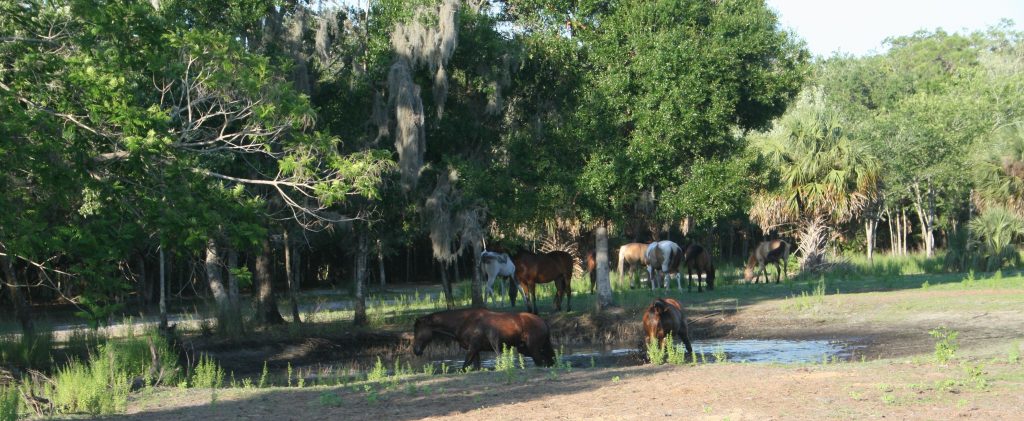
{"x": 824, "y": 177}
{"x": 998, "y": 172}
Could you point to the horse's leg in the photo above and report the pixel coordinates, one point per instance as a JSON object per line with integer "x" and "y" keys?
{"x": 683, "y": 332}
{"x": 568, "y": 292}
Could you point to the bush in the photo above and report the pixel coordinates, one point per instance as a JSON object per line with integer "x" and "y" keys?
{"x": 94, "y": 388}
{"x": 993, "y": 232}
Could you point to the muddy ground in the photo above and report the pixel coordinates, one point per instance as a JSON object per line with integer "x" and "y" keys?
{"x": 892, "y": 374}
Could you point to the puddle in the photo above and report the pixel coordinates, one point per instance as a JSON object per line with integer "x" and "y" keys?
{"x": 735, "y": 350}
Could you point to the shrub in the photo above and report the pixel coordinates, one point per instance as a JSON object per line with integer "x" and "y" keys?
{"x": 945, "y": 344}
{"x": 94, "y": 388}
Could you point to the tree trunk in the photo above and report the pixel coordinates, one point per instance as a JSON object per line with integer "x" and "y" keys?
{"x": 291, "y": 266}
{"x": 215, "y": 275}
{"x": 267, "y": 312}
{"x": 143, "y": 290}
{"x": 163, "y": 290}
{"x": 233, "y": 279}
{"x": 814, "y": 238}
{"x": 869, "y": 231}
{"x": 22, "y": 310}
{"x": 229, "y": 319}
{"x": 380, "y": 264}
{"x": 604, "y": 285}
{"x": 360, "y": 304}
{"x": 477, "y": 289}
{"x": 924, "y": 205}
{"x": 446, "y": 285}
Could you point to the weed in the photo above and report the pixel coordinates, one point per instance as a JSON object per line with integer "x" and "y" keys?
{"x": 656, "y": 352}
{"x": 378, "y": 373}
{"x": 331, "y": 400}
{"x": 263, "y": 376}
{"x": 615, "y": 379}
{"x": 9, "y": 401}
{"x": 1013, "y": 356}
{"x": 98, "y": 387}
{"x": 289, "y": 372}
{"x": 945, "y": 344}
{"x": 505, "y": 363}
{"x": 976, "y": 377}
{"x": 592, "y": 362}
{"x": 889, "y": 399}
{"x": 560, "y": 362}
{"x": 719, "y": 354}
{"x": 208, "y": 375}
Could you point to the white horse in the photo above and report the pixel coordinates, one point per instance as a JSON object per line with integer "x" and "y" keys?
{"x": 494, "y": 265}
{"x": 663, "y": 258}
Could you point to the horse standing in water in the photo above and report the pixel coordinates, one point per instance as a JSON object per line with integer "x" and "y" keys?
{"x": 663, "y": 258}
{"x": 766, "y": 252}
{"x": 479, "y": 330}
{"x": 634, "y": 255}
{"x": 698, "y": 260}
{"x": 664, "y": 316}
{"x": 533, "y": 269}
{"x": 496, "y": 264}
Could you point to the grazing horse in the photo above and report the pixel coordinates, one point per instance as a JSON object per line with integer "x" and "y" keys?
{"x": 533, "y": 269}
{"x": 591, "y": 267}
{"x": 634, "y": 255}
{"x": 774, "y": 251}
{"x": 494, "y": 265}
{"x": 697, "y": 259}
{"x": 663, "y": 258}
{"x": 479, "y": 330}
{"x": 664, "y": 316}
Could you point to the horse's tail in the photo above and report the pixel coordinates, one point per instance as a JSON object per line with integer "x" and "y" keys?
{"x": 710, "y": 270}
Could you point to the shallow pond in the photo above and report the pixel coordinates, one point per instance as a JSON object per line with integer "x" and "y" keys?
{"x": 734, "y": 350}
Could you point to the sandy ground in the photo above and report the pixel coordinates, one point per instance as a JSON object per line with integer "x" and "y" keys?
{"x": 898, "y": 380}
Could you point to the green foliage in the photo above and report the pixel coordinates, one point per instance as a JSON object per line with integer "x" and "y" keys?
{"x": 96, "y": 388}
{"x": 656, "y": 352}
{"x": 263, "y": 376}
{"x": 378, "y": 373}
{"x": 946, "y": 344}
{"x": 10, "y": 402}
{"x": 207, "y": 374}
{"x": 505, "y": 363}
{"x": 994, "y": 232}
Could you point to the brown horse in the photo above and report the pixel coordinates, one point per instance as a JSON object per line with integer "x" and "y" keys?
{"x": 591, "y": 267}
{"x": 697, "y": 259}
{"x": 479, "y": 330}
{"x": 664, "y": 316}
{"x": 634, "y": 255}
{"x": 533, "y": 269}
{"x": 774, "y": 252}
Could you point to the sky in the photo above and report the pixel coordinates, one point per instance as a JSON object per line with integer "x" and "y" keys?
{"x": 860, "y": 27}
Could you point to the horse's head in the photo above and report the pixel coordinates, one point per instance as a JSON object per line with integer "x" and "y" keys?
{"x": 423, "y": 333}
{"x": 653, "y": 326}
{"x": 748, "y": 270}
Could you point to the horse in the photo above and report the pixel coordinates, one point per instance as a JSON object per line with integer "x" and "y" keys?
{"x": 664, "y": 316}
{"x": 697, "y": 259}
{"x": 479, "y": 330}
{"x": 533, "y": 269}
{"x": 663, "y": 258}
{"x": 496, "y": 264}
{"x": 590, "y": 263}
{"x": 774, "y": 251}
{"x": 634, "y": 255}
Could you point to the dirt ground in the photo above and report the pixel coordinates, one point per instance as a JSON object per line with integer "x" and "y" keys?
{"x": 891, "y": 376}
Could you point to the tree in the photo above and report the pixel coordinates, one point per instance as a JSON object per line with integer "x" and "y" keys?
{"x": 824, "y": 177}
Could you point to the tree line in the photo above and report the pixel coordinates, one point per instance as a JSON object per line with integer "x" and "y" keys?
{"x": 261, "y": 145}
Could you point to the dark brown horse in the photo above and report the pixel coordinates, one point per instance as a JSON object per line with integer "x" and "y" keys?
{"x": 591, "y": 267}
{"x": 633, "y": 255}
{"x": 479, "y": 330}
{"x": 774, "y": 252}
{"x": 664, "y": 316}
{"x": 533, "y": 269}
{"x": 698, "y": 260}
